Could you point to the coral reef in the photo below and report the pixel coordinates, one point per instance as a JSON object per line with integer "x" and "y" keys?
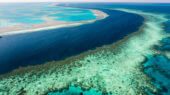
{"x": 114, "y": 69}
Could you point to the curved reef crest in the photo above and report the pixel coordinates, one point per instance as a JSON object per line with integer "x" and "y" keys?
{"x": 114, "y": 69}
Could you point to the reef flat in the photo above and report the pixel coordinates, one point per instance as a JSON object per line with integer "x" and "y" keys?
{"x": 114, "y": 69}
{"x": 34, "y": 19}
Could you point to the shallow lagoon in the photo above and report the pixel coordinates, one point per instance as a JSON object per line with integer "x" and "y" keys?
{"x": 33, "y": 13}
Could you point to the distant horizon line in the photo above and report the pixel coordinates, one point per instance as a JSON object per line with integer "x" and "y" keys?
{"x": 84, "y": 2}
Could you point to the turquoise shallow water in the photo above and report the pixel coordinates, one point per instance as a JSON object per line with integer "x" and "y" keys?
{"x": 74, "y": 13}
{"x": 33, "y": 13}
{"x": 27, "y": 20}
{"x": 158, "y": 68}
{"x": 72, "y": 90}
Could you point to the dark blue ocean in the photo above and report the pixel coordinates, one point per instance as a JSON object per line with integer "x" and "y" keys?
{"x": 58, "y": 44}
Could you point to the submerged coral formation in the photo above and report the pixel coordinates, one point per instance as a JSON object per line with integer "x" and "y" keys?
{"x": 157, "y": 67}
{"x": 72, "y": 90}
{"x": 114, "y": 69}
